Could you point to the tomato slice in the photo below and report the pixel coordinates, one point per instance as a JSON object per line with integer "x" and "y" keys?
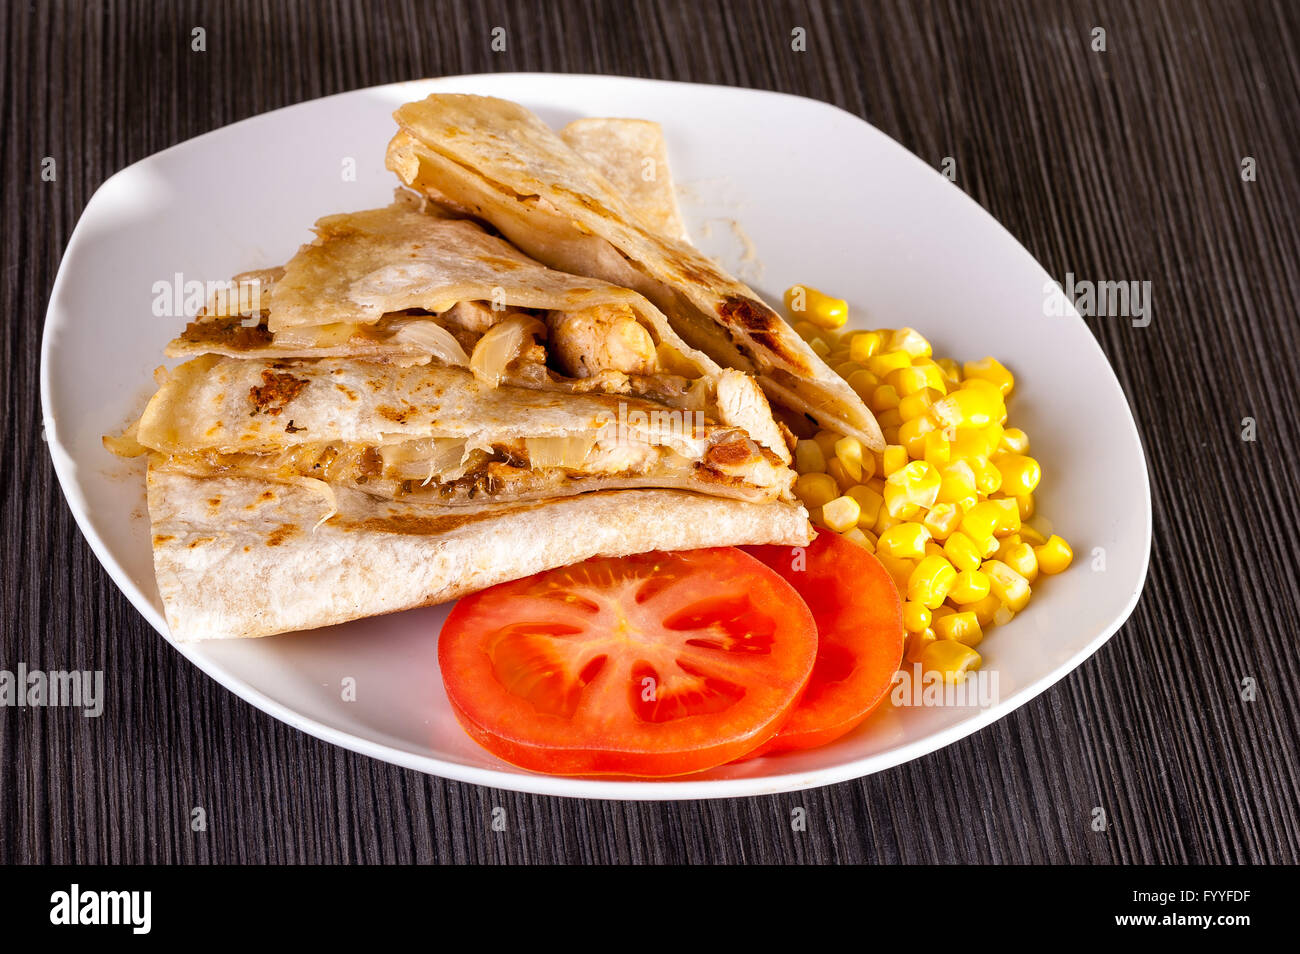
{"x": 860, "y": 636}
{"x": 652, "y": 665}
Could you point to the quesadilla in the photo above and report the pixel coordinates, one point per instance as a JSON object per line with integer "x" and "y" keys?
{"x": 239, "y": 557}
{"x": 498, "y": 162}
{"x": 405, "y": 286}
{"x": 437, "y": 435}
{"x": 632, "y": 156}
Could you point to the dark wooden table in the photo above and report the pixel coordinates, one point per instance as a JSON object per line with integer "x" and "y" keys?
{"x": 1125, "y": 163}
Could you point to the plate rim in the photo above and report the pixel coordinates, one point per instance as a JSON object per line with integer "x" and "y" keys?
{"x": 509, "y": 777}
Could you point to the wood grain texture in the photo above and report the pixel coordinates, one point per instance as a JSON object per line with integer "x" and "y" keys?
{"x": 1123, "y": 164}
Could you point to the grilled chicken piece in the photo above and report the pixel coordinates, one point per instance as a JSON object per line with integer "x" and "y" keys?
{"x": 604, "y": 338}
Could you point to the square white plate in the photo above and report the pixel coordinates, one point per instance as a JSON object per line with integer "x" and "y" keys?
{"x": 823, "y": 197}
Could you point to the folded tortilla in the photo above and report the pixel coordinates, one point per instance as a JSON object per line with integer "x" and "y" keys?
{"x": 496, "y": 161}
{"x": 238, "y": 557}
{"x": 632, "y": 155}
{"x": 405, "y": 285}
{"x": 437, "y": 434}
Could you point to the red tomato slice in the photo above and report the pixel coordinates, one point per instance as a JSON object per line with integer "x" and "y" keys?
{"x": 651, "y": 665}
{"x": 860, "y": 636}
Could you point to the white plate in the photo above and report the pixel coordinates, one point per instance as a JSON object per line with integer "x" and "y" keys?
{"x": 823, "y": 197}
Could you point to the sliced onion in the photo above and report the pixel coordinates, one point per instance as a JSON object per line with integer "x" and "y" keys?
{"x": 433, "y": 338}
{"x": 423, "y": 459}
{"x": 316, "y": 336}
{"x": 501, "y": 345}
{"x": 570, "y": 452}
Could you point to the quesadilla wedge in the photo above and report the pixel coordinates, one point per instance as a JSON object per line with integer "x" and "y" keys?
{"x": 437, "y": 435}
{"x": 406, "y": 285}
{"x": 241, "y": 557}
{"x": 498, "y": 162}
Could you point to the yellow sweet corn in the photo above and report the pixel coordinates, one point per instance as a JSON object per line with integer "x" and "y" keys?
{"x": 910, "y": 341}
{"x": 894, "y": 458}
{"x": 1020, "y": 474}
{"x": 957, "y": 482}
{"x": 826, "y": 441}
{"x": 841, "y": 514}
{"x": 816, "y": 490}
{"x": 950, "y": 659}
{"x": 941, "y": 520}
{"x": 886, "y": 521}
{"x": 835, "y": 469}
{"x": 1021, "y": 558}
{"x": 962, "y": 551}
{"x": 869, "y": 504}
{"x": 971, "y": 586}
{"x": 986, "y": 609}
{"x": 917, "y": 643}
{"x": 818, "y": 308}
{"x": 991, "y": 370}
{"x": 889, "y": 418}
{"x": 991, "y": 517}
{"x": 916, "y": 404}
{"x": 849, "y": 452}
{"x": 914, "y": 485}
{"x": 967, "y": 407}
{"x": 1014, "y": 441}
{"x": 905, "y": 540}
{"x": 916, "y": 617}
{"x": 1054, "y": 555}
{"x": 912, "y": 434}
{"x": 1006, "y": 584}
{"x": 842, "y": 365}
{"x": 883, "y": 363}
{"x": 936, "y": 450}
{"x": 951, "y": 371}
{"x": 883, "y": 398}
{"x": 808, "y": 457}
{"x": 988, "y": 479}
{"x": 820, "y": 347}
{"x": 1025, "y": 504}
{"x": 864, "y": 383}
{"x": 931, "y": 581}
{"x": 963, "y": 628}
{"x": 863, "y": 345}
{"x": 899, "y": 568}
{"x": 1030, "y": 535}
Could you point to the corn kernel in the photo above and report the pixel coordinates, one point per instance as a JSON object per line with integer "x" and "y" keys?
{"x": 990, "y": 517}
{"x": 807, "y": 330}
{"x": 820, "y": 309}
{"x": 808, "y": 457}
{"x": 842, "y": 366}
{"x": 864, "y": 383}
{"x": 905, "y": 540}
{"x": 884, "y": 362}
{"x": 916, "y": 617}
{"x": 963, "y": 628}
{"x": 957, "y": 482}
{"x": 914, "y": 485}
{"x": 864, "y": 345}
{"x": 931, "y": 581}
{"x": 1004, "y": 615}
{"x": 869, "y": 504}
{"x": 1006, "y": 584}
{"x": 950, "y": 659}
{"x": 1021, "y": 558}
{"x": 860, "y": 537}
{"x": 1020, "y": 474}
{"x": 971, "y": 586}
{"x": 889, "y": 418}
{"x": 917, "y": 404}
{"x": 886, "y": 521}
{"x": 916, "y": 380}
{"x": 848, "y": 451}
{"x": 941, "y": 520}
{"x": 894, "y": 458}
{"x": 940, "y": 612}
{"x": 1054, "y": 555}
{"x": 1014, "y": 441}
{"x": 986, "y": 609}
{"x": 917, "y": 643}
{"x": 841, "y": 514}
{"x": 883, "y": 398}
{"x": 816, "y": 490}
{"x": 842, "y": 479}
{"x": 989, "y": 369}
{"x": 911, "y": 342}
{"x": 820, "y": 347}
{"x": 1030, "y": 535}
{"x": 936, "y": 449}
{"x": 962, "y": 551}
{"x": 890, "y": 435}
{"x": 911, "y": 434}
{"x": 826, "y": 441}
{"x": 951, "y": 371}
{"x": 1025, "y": 504}
{"x": 967, "y": 407}
{"x": 988, "y": 479}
